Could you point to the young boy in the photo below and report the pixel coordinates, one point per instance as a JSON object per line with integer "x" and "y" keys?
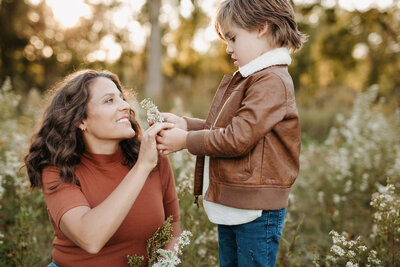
{"x": 248, "y": 147}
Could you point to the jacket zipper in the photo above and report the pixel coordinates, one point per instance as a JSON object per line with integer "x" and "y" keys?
{"x": 196, "y": 200}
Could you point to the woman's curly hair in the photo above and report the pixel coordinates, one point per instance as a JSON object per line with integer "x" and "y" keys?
{"x": 59, "y": 141}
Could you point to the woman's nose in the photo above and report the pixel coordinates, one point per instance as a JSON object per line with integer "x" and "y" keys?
{"x": 123, "y": 105}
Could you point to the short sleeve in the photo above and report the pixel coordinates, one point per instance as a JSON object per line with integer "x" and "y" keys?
{"x": 170, "y": 197}
{"x": 63, "y": 198}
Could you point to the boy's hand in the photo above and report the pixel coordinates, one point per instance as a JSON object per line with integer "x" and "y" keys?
{"x": 171, "y": 140}
{"x": 178, "y": 121}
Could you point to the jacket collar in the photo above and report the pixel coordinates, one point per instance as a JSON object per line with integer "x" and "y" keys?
{"x": 277, "y": 56}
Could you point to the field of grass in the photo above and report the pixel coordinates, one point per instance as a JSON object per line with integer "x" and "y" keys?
{"x": 344, "y": 208}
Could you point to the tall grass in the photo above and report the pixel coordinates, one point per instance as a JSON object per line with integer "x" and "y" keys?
{"x": 333, "y": 194}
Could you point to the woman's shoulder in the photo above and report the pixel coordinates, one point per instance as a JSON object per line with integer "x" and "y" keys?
{"x": 163, "y": 162}
{"x": 51, "y": 169}
{"x": 164, "y": 167}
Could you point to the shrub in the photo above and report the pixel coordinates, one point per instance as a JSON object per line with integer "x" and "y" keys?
{"x": 25, "y": 231}
{"x": 338, "y": 177}
{"x": 385, "y": 239}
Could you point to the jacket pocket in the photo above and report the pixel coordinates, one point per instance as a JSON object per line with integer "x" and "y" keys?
{"x": 278, "y": 166}
{"x": 232, "y": 170}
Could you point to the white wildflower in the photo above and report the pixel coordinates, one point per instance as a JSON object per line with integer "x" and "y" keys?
{"x": 362, "y": 248}
{"x": 336, "y": 198}
{"x": 321, "y": 195}
{"x": 152, "y": 110}
{"x": 347, "y": 186}
{"x": 351, "y": 264}
{"x": 167, "y": 258}
{"x": 331, "y": 258}
{"x": 337, "y": 250}
{"x": 351, "y": 254}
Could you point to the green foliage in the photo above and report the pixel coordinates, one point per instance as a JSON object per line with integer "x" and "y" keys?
{"x": 134, "y": 260}
{"x": 156, "y": 254}
{"x": 25, "y": 231}
{"x": 161, "y": 237}
{"x": 385, "y": 239}
{"x": 339, "y": 176}
{"x": 326, "y": 63}
{"x": 193, "y": 217}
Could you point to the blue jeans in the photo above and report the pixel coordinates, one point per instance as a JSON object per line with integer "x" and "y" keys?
{"x": 251, "y": 244}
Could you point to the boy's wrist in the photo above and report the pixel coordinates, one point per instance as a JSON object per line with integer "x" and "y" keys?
{"x": 184, "y": 137}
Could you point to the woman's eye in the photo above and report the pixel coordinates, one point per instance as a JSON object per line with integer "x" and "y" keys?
{"x": 109, "y": 100}
{"x": 232, "y": 39}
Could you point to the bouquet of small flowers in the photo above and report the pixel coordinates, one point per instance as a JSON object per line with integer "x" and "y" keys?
{"x": 157, "y": 256}
{"x": 153, "y": 115}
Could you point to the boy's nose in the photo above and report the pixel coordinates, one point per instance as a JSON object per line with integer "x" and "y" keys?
{"x": 229, "y": 50}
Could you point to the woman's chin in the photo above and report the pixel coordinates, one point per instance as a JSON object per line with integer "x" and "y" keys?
{"x": 130, "y": 134}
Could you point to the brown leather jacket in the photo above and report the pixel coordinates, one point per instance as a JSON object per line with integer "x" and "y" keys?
{"x": 252, "y": 135}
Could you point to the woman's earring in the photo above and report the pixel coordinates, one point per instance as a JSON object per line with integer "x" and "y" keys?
{"x": 83, "y": 129}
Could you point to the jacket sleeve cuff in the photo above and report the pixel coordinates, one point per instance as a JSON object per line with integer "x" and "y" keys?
{"x": 195, "y": 142}
{"x": 194, "y": 124}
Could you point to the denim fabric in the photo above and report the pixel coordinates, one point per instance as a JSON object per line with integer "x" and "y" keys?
{"x": 251, "y": 244}
{"x": 52, "y": 264}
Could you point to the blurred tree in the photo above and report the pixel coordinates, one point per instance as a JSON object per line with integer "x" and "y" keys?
{"x": 154, "y": 76}
{"x": 348, "y": 50}
{"x": 13, "y": 38}
{"x": 36, "y": 50}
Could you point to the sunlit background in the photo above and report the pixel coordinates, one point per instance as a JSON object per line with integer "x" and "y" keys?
{"x": 361, "y": 35}
{"x": 347, "y": 85}
{"x": 69, "y": 12}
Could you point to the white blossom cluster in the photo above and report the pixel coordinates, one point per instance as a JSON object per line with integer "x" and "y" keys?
{"x": 184, "y": 163}
{"x": 361, "y": 150}
{"x": 387, "y": 211}
{"x": 350, "y": 253}
{"x": 170, "y": 258}
{"x": 152, "y": 111}
{"x": 387, "y": 218}
{"x": 364, "y": 140}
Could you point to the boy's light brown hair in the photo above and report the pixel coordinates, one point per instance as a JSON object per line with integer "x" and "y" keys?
{"x": 252, "y": 15}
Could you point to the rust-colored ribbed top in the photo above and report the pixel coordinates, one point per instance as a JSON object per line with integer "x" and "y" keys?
{"x": 99, "y": 175}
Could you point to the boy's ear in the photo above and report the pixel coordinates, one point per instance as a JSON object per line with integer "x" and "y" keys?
{"x": 264, "y": 30}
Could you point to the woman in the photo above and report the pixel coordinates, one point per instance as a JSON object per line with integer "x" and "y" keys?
{"x": 106, "y": 189}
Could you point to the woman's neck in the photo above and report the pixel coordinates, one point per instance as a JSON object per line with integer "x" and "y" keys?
{"x": 101, "y": 147}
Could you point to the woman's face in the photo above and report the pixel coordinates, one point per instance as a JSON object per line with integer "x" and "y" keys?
{"x": 107, "y": 114}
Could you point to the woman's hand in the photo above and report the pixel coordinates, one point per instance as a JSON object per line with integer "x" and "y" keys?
{"x": 178, "y": 121}
{"x": 148, "y": 154}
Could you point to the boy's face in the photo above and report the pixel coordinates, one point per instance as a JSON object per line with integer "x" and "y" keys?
{"x": 244, "y": 46}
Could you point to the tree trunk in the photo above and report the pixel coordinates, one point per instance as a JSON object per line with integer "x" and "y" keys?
{"x": 154, "y": 69}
